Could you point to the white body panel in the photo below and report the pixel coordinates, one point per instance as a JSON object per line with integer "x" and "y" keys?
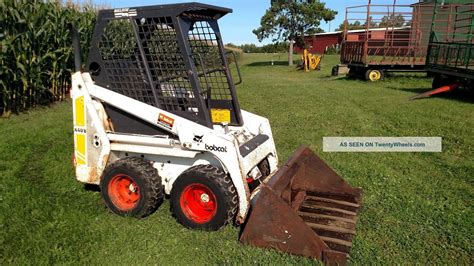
{"x": 193, "y": 143}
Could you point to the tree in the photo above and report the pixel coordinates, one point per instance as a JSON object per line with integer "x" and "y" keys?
{"x": 313, "y": 31}
{"x": 372, "y": 23}
{"x": 357, "y": 25}
{"x": 290, "y": 20}
{"x": 393, "y": 20}
{"x": 351, "y": 26}
{"x": 278, "y": 47}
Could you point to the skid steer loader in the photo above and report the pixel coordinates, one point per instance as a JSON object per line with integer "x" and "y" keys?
{"x": 156, "y": 112}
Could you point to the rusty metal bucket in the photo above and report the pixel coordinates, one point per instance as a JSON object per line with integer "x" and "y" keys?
{"x": 305, "y": 209}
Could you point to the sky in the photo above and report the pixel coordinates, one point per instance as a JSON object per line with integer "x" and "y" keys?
{"x": 237, "y": 27}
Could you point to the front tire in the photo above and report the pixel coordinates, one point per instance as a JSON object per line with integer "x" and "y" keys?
{"x": 204, "y": 197}
{"x": 131, "y": 187}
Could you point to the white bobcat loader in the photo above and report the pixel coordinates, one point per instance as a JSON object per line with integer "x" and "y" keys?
{"x": 156, "y": 112}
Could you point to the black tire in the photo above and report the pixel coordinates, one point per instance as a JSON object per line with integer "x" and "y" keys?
{"x": 353, "y": 73}
{"x": 437, "y": 82}
{"x": 440, "y": 81}
{"x": 145, "y": 187}
{"x": 219, "y": 189}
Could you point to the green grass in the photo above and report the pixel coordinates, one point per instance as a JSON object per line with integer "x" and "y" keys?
{"x": 417, "y": 207}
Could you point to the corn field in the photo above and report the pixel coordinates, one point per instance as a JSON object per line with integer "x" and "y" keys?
{"x": 36, "y": 57}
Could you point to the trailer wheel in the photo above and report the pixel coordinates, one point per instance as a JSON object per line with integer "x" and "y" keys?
{"x": 373, "y": 74}
{"x": 131, "y": 187}
{"x": 439, "y": 81}
{"x": 204, "y": 197}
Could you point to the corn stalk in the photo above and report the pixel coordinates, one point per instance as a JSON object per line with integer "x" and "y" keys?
{"x": 36, "y": 57}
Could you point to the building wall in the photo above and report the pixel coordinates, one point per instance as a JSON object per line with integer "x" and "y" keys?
{"x": 317, "y": 43}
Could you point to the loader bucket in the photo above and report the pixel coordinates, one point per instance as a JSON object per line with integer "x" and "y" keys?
{"x": 305, "y": 209}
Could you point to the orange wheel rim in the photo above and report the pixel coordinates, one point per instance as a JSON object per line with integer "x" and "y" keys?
{"x": 123, "y": 192}
{"x": 198, "y": 203}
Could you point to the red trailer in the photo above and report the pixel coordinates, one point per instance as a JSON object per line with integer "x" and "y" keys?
{"x": 394, "y": 38}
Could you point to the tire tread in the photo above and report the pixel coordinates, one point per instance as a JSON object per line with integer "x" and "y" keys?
{"x": 225, "y": 184}
{"x": 154, "y": 187}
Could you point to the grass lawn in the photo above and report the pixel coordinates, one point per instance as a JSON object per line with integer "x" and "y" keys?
{"x": 417, "y": 207}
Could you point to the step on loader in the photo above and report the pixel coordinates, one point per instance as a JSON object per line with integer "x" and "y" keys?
{"x": 156, "y": 112}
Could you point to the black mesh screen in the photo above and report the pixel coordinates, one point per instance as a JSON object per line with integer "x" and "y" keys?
{"x": 175, "y": 63}
{"x": 209, "y": 62}
{"x": 122, "y": 61}
{"x": 126, "y": 69}
{"x": 167, "y": 65}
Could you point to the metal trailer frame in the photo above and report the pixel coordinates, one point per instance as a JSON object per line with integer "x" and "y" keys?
{"x": 393, "y": 47}
{"x": 450, "y": 56}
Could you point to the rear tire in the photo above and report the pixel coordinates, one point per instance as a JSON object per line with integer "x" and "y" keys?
{"x": 204, "y": 197}
{"x": 131, "y": 187}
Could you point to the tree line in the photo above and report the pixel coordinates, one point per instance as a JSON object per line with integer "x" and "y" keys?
{"x": 392, "y": 20}
{"x": 279, "y": 47}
